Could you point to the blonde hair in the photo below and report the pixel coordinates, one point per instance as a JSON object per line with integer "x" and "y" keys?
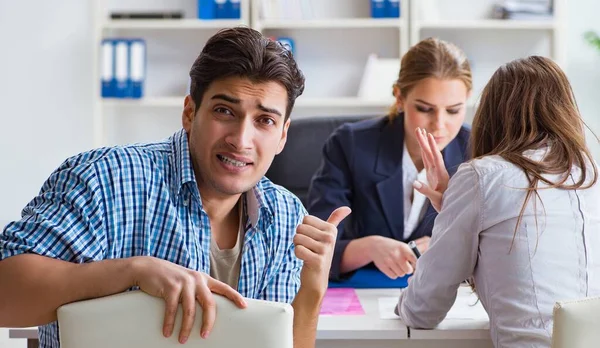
{"x": 431, "y": 57}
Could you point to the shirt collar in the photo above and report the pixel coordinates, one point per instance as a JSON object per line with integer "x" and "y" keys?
{"x": 182, "y": 163}
{"x": 258, "y": 207}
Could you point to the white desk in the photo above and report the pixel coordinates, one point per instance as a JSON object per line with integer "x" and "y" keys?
{"x": 369, "y": 330}
{"x": 366, "y": 330}
{"x": 453, "y": 332}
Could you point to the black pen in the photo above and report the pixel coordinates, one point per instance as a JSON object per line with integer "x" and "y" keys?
{"x": 414, "y": 248}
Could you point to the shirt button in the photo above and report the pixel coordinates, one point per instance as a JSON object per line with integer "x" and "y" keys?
{"x": 186, "y": 201}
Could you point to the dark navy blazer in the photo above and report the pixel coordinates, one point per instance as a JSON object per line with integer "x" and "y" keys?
{"x": 362, "y": 168}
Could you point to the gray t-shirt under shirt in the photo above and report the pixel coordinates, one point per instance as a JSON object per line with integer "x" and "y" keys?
{"x": 225, "y": 264}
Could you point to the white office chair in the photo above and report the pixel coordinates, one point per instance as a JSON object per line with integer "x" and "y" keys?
{"x": 577, "y": 324}
{"x": 134, "y": 319}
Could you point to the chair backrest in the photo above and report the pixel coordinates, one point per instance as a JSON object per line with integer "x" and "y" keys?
{"x": 295, "y": 166}
{"x": 577, "y": 324}
{"x": 134, "y": 319}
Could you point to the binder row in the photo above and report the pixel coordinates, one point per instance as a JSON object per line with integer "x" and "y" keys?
{"x": 219, "y": 9}
{"x": 123, "y": 68}
{"x": 385, "y": 8}
{"x": 303, "y": 9}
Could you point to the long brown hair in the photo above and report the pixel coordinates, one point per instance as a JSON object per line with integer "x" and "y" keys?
{"x": 529, "y": 104}
{"x": 431, "y": 57}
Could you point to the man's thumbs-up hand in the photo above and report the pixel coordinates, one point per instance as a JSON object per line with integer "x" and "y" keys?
{"x": 315, "y": 242}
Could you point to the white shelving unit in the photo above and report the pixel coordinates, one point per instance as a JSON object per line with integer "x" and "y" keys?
{"x": 341, "y": 102}
{"x": 499, "y": 24}
{"x": 145, "y": 102}
{"x": 331, "y": 45}
{"x": 344, "y": 102}
{"x": 348, "y": 23}
{"x": 172, "y": 24}
{"x": 487, "y": 42}
{"x": 172, "y": 47}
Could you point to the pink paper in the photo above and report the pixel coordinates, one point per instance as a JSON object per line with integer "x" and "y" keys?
{"x": 341, "y": 301}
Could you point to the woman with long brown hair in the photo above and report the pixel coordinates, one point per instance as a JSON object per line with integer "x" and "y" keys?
{"x": 522, "y": 219}
{"x": 370, "y": 166}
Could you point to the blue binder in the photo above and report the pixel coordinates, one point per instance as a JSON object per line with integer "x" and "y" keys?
{"x": 287, "y": 43}
{"x": 378, "y": 8}
{"x": 137, "y": 67}
{"x": 206, "y": 9}
{"x": 123, "y": 81}
{"x": 221, "y": 9}
{"x": 235, "y": 11}
{"x": 107, "y": 71}
{"x": 392, "y": 8}
{"x": 370, "y": 278}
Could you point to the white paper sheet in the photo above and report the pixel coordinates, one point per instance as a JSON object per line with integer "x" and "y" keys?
{"x": 386, "y": 307}
{"x": 467, "y": 307}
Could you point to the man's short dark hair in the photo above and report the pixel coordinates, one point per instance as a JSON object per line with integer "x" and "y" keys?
{"x": 245, "y": 52}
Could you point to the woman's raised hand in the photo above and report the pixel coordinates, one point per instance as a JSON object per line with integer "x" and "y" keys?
{"x": 437, "y": 175}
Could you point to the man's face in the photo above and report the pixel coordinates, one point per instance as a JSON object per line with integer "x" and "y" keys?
{"x": 235, "y": 134}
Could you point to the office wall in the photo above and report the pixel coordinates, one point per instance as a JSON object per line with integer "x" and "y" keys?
{"x": 46, "y": 79}
{"x": 45, "y": 92}
{"x": 583, "y": 67}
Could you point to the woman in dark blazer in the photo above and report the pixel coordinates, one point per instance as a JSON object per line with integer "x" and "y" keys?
{"x": 371, "y": 166}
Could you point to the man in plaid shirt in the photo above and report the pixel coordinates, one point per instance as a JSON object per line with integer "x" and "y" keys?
{"x": 181, "y": 218}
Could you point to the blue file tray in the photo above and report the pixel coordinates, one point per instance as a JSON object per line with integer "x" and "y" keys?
{"x": 370, "y": 278}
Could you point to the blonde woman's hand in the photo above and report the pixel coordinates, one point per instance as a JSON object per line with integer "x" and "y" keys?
{"x": 437, "y": 175}
{"x": 393, "y": 258}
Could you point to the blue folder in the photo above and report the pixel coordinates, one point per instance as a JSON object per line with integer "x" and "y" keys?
{"x": 207, "y": 9}
{"x": 107, "y": 75}
{"x": 137, "y": 67}
{"x": 370, "y": 278}
{"x": 378, "y": 8}
{"x": 392, "y": 8}
{"x": 234, "y": 9}
{"x": 122, "y": 75}
{"x": 221, "y": 9}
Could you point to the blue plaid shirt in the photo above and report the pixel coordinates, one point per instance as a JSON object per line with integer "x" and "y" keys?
{"x": 143, "y": 200}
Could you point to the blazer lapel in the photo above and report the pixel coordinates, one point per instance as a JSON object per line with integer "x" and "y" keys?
{"x": 389, "y": 164}
{"x": 453, "y": 156}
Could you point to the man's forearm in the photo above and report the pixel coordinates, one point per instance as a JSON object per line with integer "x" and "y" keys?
{"x": 32, "y": 287}
{"x": 306, "y": 316}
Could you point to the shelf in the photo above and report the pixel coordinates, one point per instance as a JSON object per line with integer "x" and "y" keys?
{"x": 340, "y": 102}
{"x": 302, "y": 102}
{"x": 488, "y": 24}
{"x": 172, "y": 24}
{"x": 332, "y": 23}
{"x": 145, "y": 102}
